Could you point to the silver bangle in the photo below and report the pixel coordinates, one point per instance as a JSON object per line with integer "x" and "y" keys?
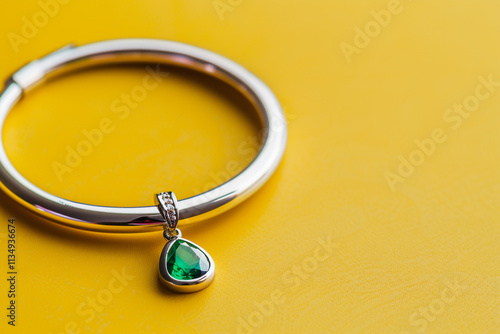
{"x": 166, "y": 212}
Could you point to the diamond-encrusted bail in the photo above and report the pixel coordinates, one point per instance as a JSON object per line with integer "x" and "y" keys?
{"x": 166, "y": 202}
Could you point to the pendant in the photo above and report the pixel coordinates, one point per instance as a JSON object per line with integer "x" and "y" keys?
{"x": 184, "y": 266}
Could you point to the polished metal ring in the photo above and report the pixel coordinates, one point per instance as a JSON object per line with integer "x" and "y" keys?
{"x": 148, "y": 218}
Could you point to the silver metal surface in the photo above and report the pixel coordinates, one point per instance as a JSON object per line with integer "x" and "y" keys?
{"x": 143, "y": 219}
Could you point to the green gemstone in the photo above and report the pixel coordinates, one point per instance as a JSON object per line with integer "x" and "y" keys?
{"x": 186, "y": 261}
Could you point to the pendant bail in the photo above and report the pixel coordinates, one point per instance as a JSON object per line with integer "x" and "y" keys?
{"x": 166, "y": 202}
{"x": 171, "y": 235}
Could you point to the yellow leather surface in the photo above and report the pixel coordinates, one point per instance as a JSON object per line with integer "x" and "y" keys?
{"x": 382, "y": 218}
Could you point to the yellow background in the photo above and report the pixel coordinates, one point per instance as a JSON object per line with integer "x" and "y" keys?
{"x": 396, "y": 252}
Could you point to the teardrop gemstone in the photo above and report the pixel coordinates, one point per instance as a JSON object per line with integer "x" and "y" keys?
{"x": 186, "y": 261}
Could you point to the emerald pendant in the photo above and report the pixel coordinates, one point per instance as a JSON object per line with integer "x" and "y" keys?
{"x": 185, "y": 261}
{"x": 185, "y": 266}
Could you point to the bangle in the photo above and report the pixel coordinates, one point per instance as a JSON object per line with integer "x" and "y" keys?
{"x": 184, "y": 266}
